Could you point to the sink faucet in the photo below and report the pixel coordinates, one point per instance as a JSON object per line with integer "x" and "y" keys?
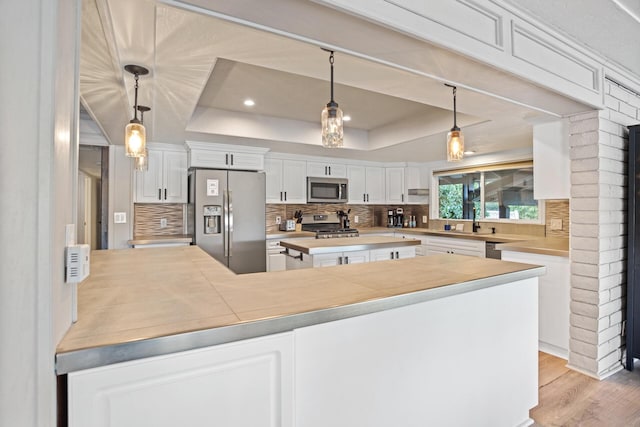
{"x": 475, "y": 225}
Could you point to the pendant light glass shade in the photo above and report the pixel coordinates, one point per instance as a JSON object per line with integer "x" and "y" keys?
{"x": 455, "y": 139}
{"x": 455, "y": 145}
{"x": 135, "y": 135}
{"x": 332, "y": 130}
{"x": 142, "y": 162}
{"x": 331, "y": 118}
{"x": 135, "y": 139}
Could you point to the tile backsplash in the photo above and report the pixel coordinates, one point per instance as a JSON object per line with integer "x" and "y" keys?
{"x": 148, "y": 216}
{"x": 368, "y": 215}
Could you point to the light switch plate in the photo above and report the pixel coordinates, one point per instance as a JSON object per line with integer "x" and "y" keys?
{"x": 278, "y": 220}
{"x": 356, "y": 219}
{"x": 555, "y": 224}
{"x": 424, "y": 219}
{"x": 120, "y": 217}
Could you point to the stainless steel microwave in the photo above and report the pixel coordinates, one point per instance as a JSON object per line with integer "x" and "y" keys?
{"x": 327, "y": 190}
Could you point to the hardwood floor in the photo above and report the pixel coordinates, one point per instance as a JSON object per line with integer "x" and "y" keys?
{"x": 568, "y": 398}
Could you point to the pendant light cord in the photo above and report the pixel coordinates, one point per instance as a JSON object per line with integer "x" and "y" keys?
{"x": 331, "y": 62}
{"x": 135, "y": 105}
{"x": 455, "y": 124}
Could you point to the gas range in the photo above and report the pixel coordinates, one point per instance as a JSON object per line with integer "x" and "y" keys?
{"x": 327, "y": 226}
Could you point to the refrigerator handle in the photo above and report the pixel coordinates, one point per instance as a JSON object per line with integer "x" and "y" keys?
{"x": 230, "y": 234}
{"x": 225, "y": 228}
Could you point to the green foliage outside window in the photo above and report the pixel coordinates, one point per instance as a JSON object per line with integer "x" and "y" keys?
{"x": 507, "y": 194}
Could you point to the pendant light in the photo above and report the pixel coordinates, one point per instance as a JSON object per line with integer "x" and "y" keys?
{"x": 135, "y": 133}
{"x": 332, "y": 131}
{"x": 142, "y": 162}
{"x": 455, "y": 139}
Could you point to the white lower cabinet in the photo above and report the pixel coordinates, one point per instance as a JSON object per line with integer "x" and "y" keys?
{"x": 554, "y": 299}
{"x": 392, "y": 253}
{"x": 246, "y": 383}
{"x": 276, "y": 260}
{"x": 406, "y": 366}
{"x": 340, "y": 258}
{"x": 453, "y": 245}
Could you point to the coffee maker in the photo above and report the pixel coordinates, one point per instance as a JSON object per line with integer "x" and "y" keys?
{"x": 395, "y": 217}
{"x": 391, "y": 218}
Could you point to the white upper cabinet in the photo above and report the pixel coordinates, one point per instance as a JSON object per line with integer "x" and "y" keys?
{"x": 223, "y": 156}
{"x": 416, "y": 185}
{"x": 366, "y": 184}
{"x": 335, "y": 170}
{"x": 394, "y": 189}
{"x": 551, "y": 162}
{"x": 166, "y": 179}
{"x": 286, "y": 180}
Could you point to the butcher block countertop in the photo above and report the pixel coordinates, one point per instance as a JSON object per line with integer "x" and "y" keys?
{"x": 146, "y": 302}
{"x": 346, "y": 244}
{"x": 555, "y": 246}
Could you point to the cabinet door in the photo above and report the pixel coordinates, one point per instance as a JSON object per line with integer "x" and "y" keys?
{"x": 202, "y": 387}
{"x": 357, "y": 184}
{"x": 246, "y": 161}
{"x": 294, "y": 181}
{"x": 148, "y": 184}
{"x": 327, "y": 260}
{"x": 394, "y": 188}
{"x": 273, "y": 178}
{"x": 276, "y": 262}
{"x": 380, "y": 254}
{"x": 405, "y": 252}
{"x": 209, "y": 159}
{"x": 317, "y": 169}
{"x": 337, "y": 170}
{"x": 375, "y": 185}
{"x": 174, "y": 177}
{"x": 355, "y": 257}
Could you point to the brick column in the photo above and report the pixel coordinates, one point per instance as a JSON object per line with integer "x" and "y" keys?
{"x": 598, "y": 232}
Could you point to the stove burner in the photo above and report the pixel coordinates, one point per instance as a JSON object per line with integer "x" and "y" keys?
{"x": 332, "y": 234}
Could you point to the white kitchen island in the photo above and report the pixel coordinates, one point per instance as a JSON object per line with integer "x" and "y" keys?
{"x": 308, "y": 253}
{"x": 442, "y": 340}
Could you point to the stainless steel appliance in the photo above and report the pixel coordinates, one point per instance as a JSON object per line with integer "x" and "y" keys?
{"x": 226, "y": 217}
{"x": 287, "y": 225}
{"x": 327, "y": 226}
{"x": 327, "y": 190}
{"x": 395, "y": 217}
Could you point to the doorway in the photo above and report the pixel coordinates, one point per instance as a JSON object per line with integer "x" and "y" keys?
{"x": 92, "y": 223}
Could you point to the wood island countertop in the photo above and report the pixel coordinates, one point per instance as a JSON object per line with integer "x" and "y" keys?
{"x": 151, "y": 301}
{"x": 346, "y": 244}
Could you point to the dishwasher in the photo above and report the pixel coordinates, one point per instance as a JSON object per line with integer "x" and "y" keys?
{"x": 491, "y": 251}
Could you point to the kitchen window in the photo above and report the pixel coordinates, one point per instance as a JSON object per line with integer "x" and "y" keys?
{"x": 492, "y": 193}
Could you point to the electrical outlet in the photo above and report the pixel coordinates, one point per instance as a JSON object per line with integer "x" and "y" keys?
{"x": 278, "y": 220}
{"x": 356, "y": 219}
{"x": 163, "y": 222}
{"x": 555, "y": 224}
{"x": 424, "y": 219}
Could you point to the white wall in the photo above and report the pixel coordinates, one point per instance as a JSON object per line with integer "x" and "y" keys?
{"x": 120, "y": 196}
{"x": 38, "y": 113}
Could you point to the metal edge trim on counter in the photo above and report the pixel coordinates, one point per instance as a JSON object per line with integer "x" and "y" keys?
{"x": 106, "y": 355}
{"x": 348, "y": 248}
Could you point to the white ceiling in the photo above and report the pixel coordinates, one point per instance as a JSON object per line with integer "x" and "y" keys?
{"x": 203, "y": 67}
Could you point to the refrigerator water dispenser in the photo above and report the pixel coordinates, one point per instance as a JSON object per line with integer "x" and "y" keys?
{"x": 212, "y": 219}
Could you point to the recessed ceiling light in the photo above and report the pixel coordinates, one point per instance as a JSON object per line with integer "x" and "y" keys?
{"x": 249, "y": 102}
{"x": 346, "y": 118}
{"x": 469, "y": 152}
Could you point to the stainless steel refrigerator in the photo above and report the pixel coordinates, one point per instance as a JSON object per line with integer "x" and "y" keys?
{"x": 226, "y": 217}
